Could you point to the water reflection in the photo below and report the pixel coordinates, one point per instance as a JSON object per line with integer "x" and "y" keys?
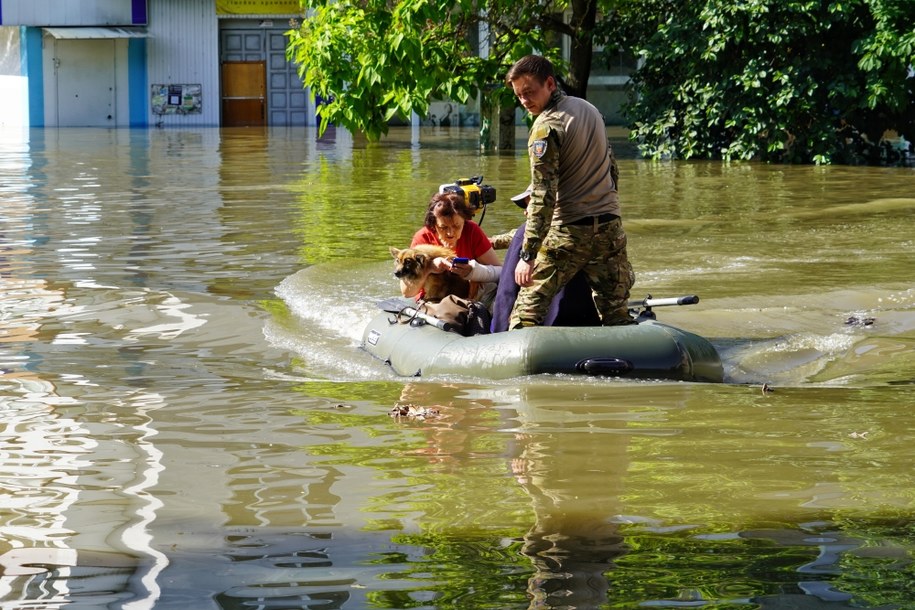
{"x": 574, "y": 482}
{"x": 70, "y": 530}
{"x": 189, "y": 421}
{"x": 578, "y": 466}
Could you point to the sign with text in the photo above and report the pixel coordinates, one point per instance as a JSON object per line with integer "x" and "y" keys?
{"x": 258, "y": 7}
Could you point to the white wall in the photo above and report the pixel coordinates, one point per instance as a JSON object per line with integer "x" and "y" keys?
{"x": 183, "y": 48}
{"x": 14, "y": 101}
{"x": 14, "y": 92}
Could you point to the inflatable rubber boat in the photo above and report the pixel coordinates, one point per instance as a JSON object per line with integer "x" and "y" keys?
{"x": 415, "y": 344}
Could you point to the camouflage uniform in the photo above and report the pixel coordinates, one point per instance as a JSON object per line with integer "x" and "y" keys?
{"x": 600, "y": 253}
{"x": 502, "y": 240}
{"x": 573, "y": 214}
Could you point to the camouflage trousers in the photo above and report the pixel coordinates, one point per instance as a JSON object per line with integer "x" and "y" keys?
{"x": 600, "y": 252}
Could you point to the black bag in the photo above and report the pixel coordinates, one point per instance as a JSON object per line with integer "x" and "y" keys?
{"x": 465, "y": 316}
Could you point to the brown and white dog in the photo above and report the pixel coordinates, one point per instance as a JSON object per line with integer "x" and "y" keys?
{"x": 415, "y": 269}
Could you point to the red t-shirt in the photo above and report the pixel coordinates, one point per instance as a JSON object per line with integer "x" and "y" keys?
{"x": 473, "y": 242}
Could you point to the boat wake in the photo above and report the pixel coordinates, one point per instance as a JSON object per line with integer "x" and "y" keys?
{"x": 850, "y": 337}
{"x": 327, "y": 316}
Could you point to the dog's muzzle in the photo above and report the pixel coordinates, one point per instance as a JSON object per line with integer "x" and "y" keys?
{"x": 408, "y": 269}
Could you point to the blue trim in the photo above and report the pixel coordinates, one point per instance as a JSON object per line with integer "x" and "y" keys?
{"x": 30, "y": 62}
{"x": 137, "y": 78}
{"x": 137, "y": 12}
{"x": 1, "y": 12}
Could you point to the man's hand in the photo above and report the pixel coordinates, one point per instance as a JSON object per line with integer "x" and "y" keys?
{"x": 523, "y": 273}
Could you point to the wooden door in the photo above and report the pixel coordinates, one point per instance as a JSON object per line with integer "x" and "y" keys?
{"x": 244, "y": 93}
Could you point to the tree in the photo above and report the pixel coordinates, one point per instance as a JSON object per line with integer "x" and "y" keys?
{"x": 887, "y": 53}
{"x": 768, "y": 79}
{"x": 370, "y": 61}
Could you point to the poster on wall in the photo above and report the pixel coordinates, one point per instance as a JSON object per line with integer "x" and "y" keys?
{"x": 258, "y": 7}
{"x": 176, "y": 99}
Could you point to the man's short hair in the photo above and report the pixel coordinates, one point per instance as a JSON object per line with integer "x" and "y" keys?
{"x": 535, "y": 65}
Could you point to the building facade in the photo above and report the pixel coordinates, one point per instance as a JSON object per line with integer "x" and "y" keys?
{"x": 139, "y": 63}
{"x": 142, "y": 63}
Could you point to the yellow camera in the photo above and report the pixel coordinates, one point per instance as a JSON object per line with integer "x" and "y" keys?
{"x": 476, "y": 194}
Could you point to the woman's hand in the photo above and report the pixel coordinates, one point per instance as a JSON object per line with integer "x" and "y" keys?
{"x": 461, "y": 269}
{"x": 441, "y": 264}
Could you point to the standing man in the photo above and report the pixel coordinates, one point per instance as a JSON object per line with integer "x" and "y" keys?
{"x": 573, "y": 217}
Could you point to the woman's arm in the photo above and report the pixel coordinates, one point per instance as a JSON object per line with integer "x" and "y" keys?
{"x": 490, "y": 258}
{"x": 485, "y": 268}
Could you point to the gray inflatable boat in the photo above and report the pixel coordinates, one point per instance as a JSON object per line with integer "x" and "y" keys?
{"x": 414, "y": 344}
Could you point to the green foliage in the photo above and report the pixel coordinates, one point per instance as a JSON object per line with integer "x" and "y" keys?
{"x": 373, "y": 60}
{"x": 719, "y": 79}
{"x": 766, "y": 79}
{"x": 887, "y": 53}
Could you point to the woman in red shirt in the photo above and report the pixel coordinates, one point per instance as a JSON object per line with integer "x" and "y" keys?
{"x": 448, "y": 223}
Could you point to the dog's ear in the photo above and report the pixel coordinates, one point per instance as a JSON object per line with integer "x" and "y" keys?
{"x": 421, "y": 260}
{"x": 395, "y": 252}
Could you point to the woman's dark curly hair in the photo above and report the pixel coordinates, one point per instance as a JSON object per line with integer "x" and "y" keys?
{"x": 446, "y": 205}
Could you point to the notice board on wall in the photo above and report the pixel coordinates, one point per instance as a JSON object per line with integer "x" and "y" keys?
{"x": 176, "y": 99}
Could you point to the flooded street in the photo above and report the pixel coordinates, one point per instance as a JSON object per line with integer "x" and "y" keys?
{"x": 189, "y": 421}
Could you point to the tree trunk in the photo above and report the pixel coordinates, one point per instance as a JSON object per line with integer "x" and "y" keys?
{"x": 584, "y": 17}
{"x": 497, "y": 125}
{"x": 487, "y": 141}
{"x": 507, "y": 127}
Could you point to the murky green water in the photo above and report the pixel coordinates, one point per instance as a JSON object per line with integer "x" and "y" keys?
{"x": 188, "y": 421}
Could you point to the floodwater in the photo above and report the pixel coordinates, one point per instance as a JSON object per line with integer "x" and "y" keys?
{"x": 188, "y": 420}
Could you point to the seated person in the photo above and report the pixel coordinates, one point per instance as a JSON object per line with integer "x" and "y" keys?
{"x": 572, "y": 306}
{"x": 503, "y": 240}
{"x": 449, "y": 223}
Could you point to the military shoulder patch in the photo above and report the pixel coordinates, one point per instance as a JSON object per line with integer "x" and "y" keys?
{"x": 538, "y": 147}
{"x": 540, "y": 131}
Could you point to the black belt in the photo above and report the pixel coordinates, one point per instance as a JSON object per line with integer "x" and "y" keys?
{"x": 591, "y": 220}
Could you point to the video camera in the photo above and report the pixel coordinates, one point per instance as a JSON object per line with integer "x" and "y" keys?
{"x": 476, "y": 194}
